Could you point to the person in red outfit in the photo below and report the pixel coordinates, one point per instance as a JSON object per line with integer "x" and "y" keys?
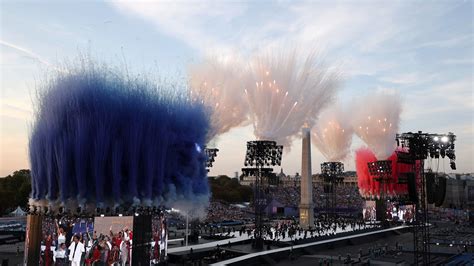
{"x": 114, "y": 255}
{"x": 48, "y": 253}
{"x": 116, "y": 239}
{"x": 95, "y": 255}
{"x": 156, "y": 248}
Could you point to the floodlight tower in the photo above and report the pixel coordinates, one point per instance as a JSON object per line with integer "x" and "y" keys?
{"x": 332, "y": 174}
{"x": 381, "y": 171}
{"x": 260, "y": 153}
{"x": 419, "y": 146}
{"x": 211, "y": 154}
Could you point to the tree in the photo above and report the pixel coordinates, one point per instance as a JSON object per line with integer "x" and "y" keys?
{"x": 229, "y": 190}
{"x": 15, "y": 190}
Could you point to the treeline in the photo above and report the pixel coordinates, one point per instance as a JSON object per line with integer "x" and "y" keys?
{"x": 14, "y": 191}
{"x": 229, "y": 190}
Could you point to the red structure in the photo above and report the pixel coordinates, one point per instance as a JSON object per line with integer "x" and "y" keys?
{"x": 369, "y": 188}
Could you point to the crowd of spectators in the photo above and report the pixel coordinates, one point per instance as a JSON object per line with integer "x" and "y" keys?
{"x": 449, "y": 215}
{"x": 347, "y": 197}
{"x": 66, "y": 244}
{"x": 220, "y": 211}
{"x": 288, "y": 196}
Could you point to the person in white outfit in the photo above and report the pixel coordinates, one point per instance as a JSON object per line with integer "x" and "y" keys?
{"x": 61, "y": 234}
{"x": 75, "y": 251}
{"x": 60, "y": 255}
{"x": 124, "y": 252}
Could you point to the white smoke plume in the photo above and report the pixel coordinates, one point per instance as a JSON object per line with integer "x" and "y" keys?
{"x": 286, "y": 90}
{"x": 375, "y": 119}
{"x": 217, "y": 83}
{"x": 332, "y": 134}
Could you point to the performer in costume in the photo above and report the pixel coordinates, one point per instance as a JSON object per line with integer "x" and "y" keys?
{"x": 48, "y": 254}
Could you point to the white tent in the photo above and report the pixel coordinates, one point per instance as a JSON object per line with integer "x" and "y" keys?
{"x": 18, "y": 212}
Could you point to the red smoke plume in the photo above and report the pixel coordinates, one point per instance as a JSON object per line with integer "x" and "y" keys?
{"x": 370, "y": 188}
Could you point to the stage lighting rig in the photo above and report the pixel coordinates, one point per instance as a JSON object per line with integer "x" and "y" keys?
{"x": 263, "y": 153}
{"x": 255, "y": 171}
{"x": 423, "y": 145}
{"x": 381, "y": 171}
{"x": 260, "y": 156}
{"x": 417, "y": 147}
{"x": 211, "y": 154}
{"x": 332, "y": 173}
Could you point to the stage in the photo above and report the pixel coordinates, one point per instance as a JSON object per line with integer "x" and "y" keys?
{"x": 248, "y": 258}
{"x": 235, "y": 238}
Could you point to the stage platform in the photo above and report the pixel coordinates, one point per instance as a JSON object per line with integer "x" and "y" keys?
{"x": 236, "y": 238}
{"x": 252, "y": 258}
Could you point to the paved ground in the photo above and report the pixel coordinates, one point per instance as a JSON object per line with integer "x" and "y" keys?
{"x": 13, "y": 253}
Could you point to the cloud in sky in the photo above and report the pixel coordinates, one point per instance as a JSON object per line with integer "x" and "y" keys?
{"x": 389, "y": 42}
{"x": 356, "y": 26}
{"x": 421, "y": 49}
{"x": 189, "y": 22}
{"x": 206, "y": 25}
{"x": 25, "y": 51}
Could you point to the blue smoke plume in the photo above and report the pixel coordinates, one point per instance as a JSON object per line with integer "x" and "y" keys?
{"x": 103, "y": 139}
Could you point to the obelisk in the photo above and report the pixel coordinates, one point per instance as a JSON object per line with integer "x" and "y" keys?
{"x": 306, "y": 205}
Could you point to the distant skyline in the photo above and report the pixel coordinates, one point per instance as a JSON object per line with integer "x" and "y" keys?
{"x": 423, "y": 50}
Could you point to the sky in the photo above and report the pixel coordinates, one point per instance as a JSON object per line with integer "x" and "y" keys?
{"x": 421, "y": 49}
